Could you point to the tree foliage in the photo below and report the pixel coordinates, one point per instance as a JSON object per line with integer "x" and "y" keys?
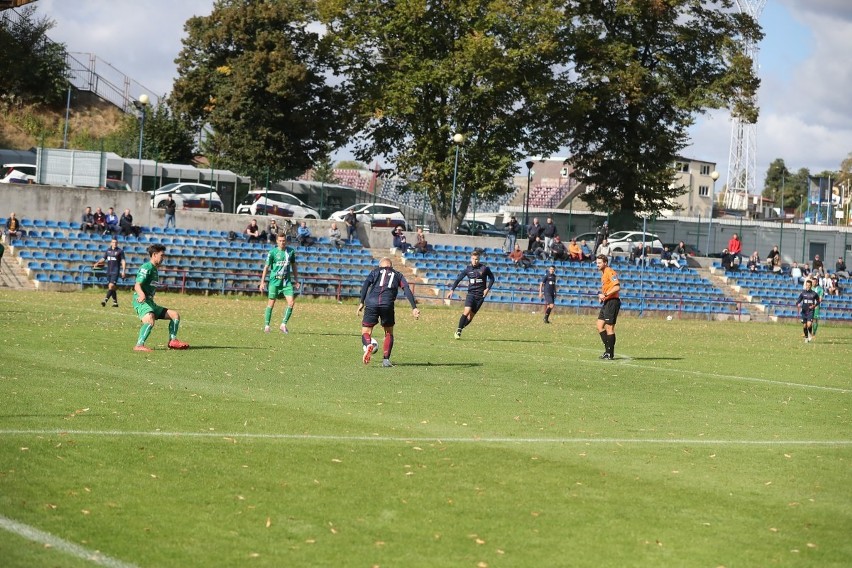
{"x": 167, "y": 137}
{"x": 32, "y": 66}
{"x": 421, "y": 72}
{"x": 257, "y": 74}
{"x": 644, "y": 69}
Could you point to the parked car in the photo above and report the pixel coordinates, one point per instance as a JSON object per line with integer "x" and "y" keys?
{"x": 691, "y": 250}
{"x": 118, "y": 184}
{"x": 187, "y": 195}
{"x": 618, "y": 241}
{"x": 274, "y": 202}
{"x": 481, "y": 228}
{"x": 377, "y": 214}
{"x": 18, "y": 173}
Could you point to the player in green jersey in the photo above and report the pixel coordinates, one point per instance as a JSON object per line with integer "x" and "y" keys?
{"x": 817, "y": 287}
{"x": 283, "y": 277}
{"x": 146, "y": 309}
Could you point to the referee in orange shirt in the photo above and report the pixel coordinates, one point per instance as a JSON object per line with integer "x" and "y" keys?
{"x": 610, "y": 305}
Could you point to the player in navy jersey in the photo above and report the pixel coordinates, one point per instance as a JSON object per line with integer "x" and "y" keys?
{"x": 378, "y": 295}
{"x": 114, "y": 262}
{"x": 480, "y": 279}
{"x": 547, "y": 291}
{"x": 809, "y": 300}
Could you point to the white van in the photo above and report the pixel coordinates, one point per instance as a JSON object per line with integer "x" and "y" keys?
{"x": 18, "y": 173}
{"x": 274, "y": 202}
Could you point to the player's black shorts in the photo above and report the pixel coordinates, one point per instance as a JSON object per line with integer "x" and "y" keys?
{"x": 112, "y": 277}
{"x": 609, "y": 311}
{"x": 549, "y": 298}
{"x": 372, "y": 314}
{"x": 474, "y": 302}
{"x": 807, "y": 317}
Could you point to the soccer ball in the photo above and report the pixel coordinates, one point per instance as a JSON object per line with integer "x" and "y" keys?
{"x": 669, "y": 318}
{"x": 374, "y": 345}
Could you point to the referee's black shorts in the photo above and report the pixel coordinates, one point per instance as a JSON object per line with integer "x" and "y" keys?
{"x": 609, "y": 311}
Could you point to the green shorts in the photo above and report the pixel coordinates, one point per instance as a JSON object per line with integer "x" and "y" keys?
{"x": 149, "y": 307}
{"x": 280, "y": 289}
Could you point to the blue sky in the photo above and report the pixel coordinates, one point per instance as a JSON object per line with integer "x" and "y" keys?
{"x": 805, "y": 96}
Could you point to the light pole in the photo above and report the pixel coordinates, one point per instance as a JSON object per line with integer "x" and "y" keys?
{"x": 458, "y": 140}
{"x": 529, "y": 165}
{"x": 141, "y": 105}
{"x": 714, "y": 175}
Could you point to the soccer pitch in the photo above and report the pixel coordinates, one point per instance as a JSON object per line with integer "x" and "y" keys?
{"x": 703, "y": 444}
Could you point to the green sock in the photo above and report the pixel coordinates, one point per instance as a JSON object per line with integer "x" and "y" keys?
{"x": 267, "y": 315}
{"x": 173, "y": 328}
{"x": 287, "y": 313}
{"x": 144, "y": 332}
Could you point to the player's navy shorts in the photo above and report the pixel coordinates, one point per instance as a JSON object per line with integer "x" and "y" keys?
{"x": 474, "y": 302}
{"x": 112, "y": 277}
{"x": 609, "y": 311}
{"x": 549, "y": 298}
{"x": 372, "y": 314}
{"x": 807, "y": 316}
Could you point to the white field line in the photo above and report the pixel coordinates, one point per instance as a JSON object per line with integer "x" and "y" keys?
{"x": 56, "y": 543}
{"x": 425, "y": 439}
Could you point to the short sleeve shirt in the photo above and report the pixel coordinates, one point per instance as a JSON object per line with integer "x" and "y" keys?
{"x": 280, "y": 263}
{"x": 609, "y": 280}
{"x": 147, "y": 277}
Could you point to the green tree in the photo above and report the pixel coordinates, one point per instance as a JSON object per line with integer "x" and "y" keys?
{"x": 257, "y": 74}
{"x": 421, "y": 72}
{"x": 324, "y": 170}
{"x": 32, "y": 66}
{"x": 644, "y": 69}
{"x": 777, "y": 176}
{"x": 167, "y": 137}
{"x": 796, "y": 192}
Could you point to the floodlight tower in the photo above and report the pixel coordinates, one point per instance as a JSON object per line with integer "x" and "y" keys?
{"x": 742, "y": 160}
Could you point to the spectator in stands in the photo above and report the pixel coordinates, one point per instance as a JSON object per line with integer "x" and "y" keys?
{"x": 170, "y": 211}
{"x": 538, "y": 250}
{"x": 511, "y": 227}
{"x": 549, "y": 232}
{"x": 833, "y": 287}
{"x": 335, "y": 237}
{"x": 272, "y": 231}
{"x": 575, "y": 253}
{"x": 253, "y": 233}
{"x": 729, "y": 260}
{"x": 840, "y": 268}
{"x": 88, "y": 220}
{"x": 126, "y": 226}
{"x": 753, "y": 262}
{"x": 604, "y": 249}
{"x": 667, "y": 259}
{"x": 558, "y": 250}
{"x": 679, "y": 256}
{"x": 640, "y": 255}
{"x": 796, "y": 273}
{"x": 100, "y": 221}
{"x": 13, "y": 228}
{"x": 518, "y": 257}
{"x": 773, "y": 260}
{"x": 351, "y": 222}
{"x": 601, "y": 236}
{"x": 533, "y": 232}
{"x": 303, "y": 235}
{"x": 817, "y": 267}
{"x": 735, "y": 247}
{"x": 586, "y": 251}
{"x": 112, "y": 222}
{"x": 399, "y": 240}
{"x": 421, "y": 246}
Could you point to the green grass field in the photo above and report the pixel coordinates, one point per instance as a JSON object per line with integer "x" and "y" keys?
{"x": 704, "y": 444}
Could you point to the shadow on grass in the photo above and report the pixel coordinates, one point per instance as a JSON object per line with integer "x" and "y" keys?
{"x": 652, "y": 359}
{"x": 430, "y": 364}
{"x": 233, "y": 347}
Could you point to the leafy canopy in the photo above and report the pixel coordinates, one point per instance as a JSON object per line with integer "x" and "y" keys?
{"x": 643, "y": 69}
{"x": 421, "y": 72}
{"x": 257, "y": 74}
